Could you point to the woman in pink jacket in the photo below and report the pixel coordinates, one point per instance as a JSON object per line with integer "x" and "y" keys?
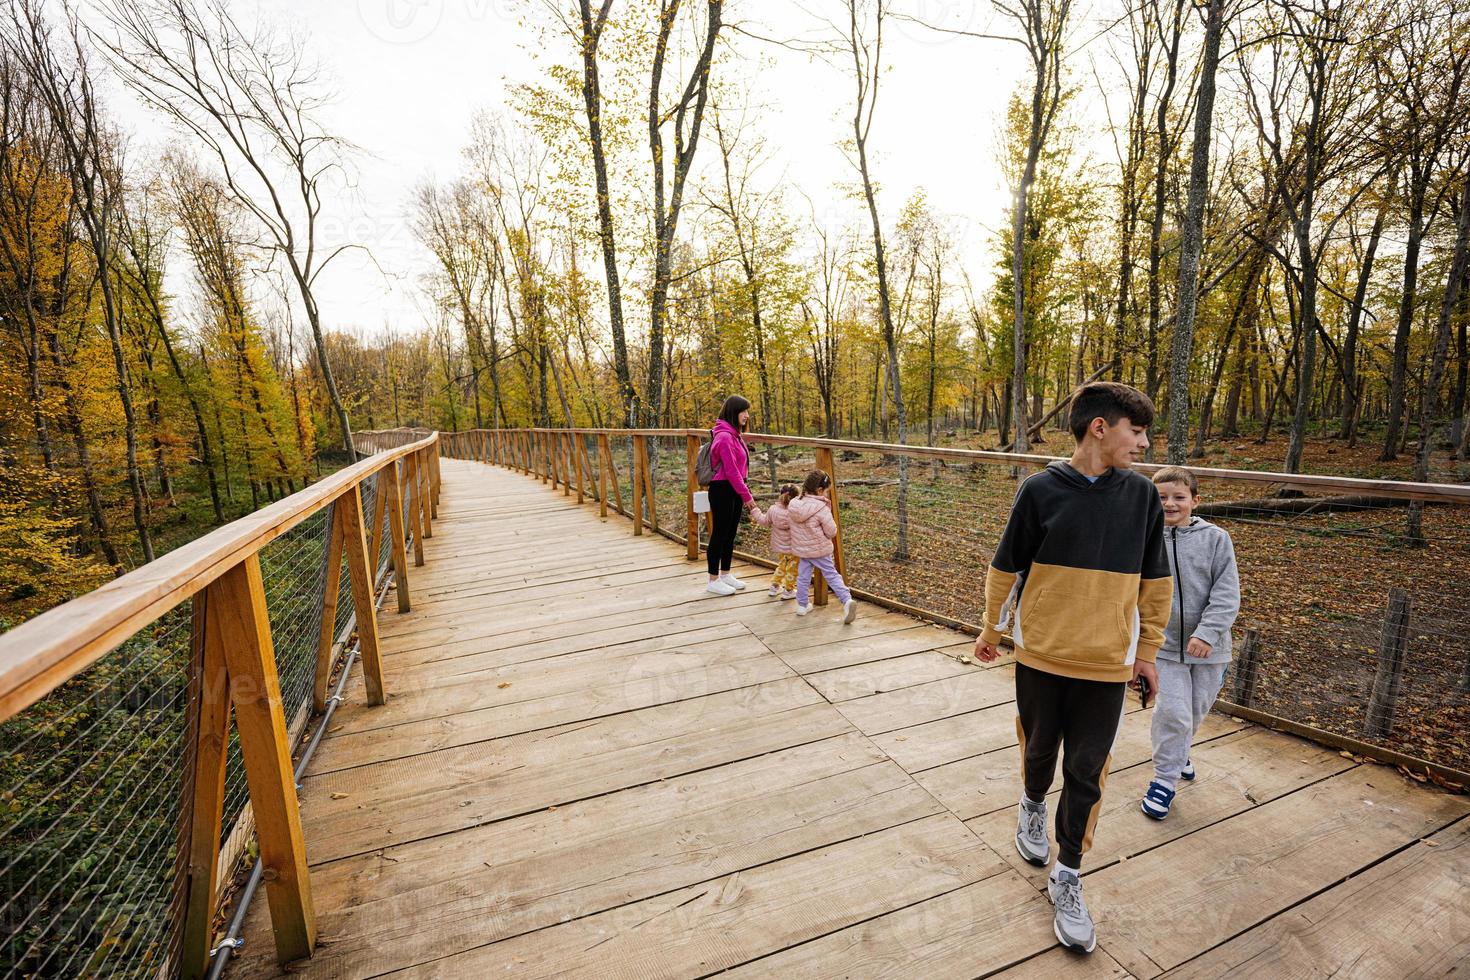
{"x": 727, "y": 493}
{"x": 812, "y": 531}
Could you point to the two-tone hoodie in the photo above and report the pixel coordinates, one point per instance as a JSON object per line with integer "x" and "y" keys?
{"x": 1080, "y": 578}
{"x": 1206, "y": 591}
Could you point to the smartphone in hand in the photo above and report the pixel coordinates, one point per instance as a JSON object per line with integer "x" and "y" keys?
{"x": 1145, "y": 691}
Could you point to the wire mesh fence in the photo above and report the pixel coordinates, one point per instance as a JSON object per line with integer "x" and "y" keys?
{"x": 1318, "y": 629}
{"x": 93, "y": 778}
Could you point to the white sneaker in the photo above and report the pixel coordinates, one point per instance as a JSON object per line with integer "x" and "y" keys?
{"x": 734, "y": 582}
{"x": 773, "y": 591}
{"x": 849, "y": 611}
{"x": 720, "y": 587}
{"x": 787, "y": 594}
{"x": 802, "y": 610}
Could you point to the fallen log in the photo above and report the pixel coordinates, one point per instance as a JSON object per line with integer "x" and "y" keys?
{"x": 1297, "y": 505}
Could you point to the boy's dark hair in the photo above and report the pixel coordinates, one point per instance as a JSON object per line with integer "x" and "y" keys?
{"x": 730, "y": 411}
{"x": 1109, "y": 401}
{"x": 816, "y": 481}
{"x": 1178, "y": 474}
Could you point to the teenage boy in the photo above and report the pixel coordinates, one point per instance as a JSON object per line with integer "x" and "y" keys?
{"x": 1081, "y": 581}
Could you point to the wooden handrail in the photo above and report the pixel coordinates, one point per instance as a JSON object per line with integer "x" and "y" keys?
{"x": 1452, "y": 493}
{"x": 44, "y": 652}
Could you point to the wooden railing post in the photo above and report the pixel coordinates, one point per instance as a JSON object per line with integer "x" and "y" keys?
{"x": 433, "y": 454}
{"x": 612, "y": 475}
{"x": 1243, "y": 690}
{"x": 570, "y": 463}
{"x": 638, "y": 485}
{"x": 691, "y": 451}
{"x": 327, "y": 635}
{"x": 826, "y": 463}
{"x": 602, "y": 454}
{"x": 348, "y": 514}
{"x": 209, "y": 687}
{"x": 414, "y": 506}
{"x": 236, "y": 625}
{"x": 578, "y": 464}
{"x": 648, "y": 494}
{"x": 380, "y": 508}
{"x": 426, "y": 508}
{"x": 1393, "y": 648}
{"x": 394, "y": 498}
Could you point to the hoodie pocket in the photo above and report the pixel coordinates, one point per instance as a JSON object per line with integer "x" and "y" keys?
{"x": 1073, "y": 628}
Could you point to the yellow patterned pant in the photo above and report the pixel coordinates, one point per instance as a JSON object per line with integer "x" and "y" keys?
{"x": 784, "y": 577}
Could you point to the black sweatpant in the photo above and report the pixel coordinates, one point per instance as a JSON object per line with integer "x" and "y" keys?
{"x": 1081, "y": 719}
{"x": 725, "y": 506}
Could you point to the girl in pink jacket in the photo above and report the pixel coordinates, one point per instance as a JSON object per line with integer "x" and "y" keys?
{"x": 812, "y": 531}
{"x": 783, "y": 579}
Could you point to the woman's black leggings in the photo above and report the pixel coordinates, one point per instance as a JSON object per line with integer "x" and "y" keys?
{"x": 725, "y": 506}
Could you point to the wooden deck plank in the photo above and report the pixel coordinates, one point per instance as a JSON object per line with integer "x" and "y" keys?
{"x": 435, "y": 695}
{"x": 1245, "y": 870}
{"x": 459, "y": 892}
{"x": 722, "y": 923}
{"x": 1236, "y": 772}
{"x": 921, "y": 703}
{"x": 466, "y": 787}
{"x": 968, "y": 932}
{"x": 839, "y": 647}
{"x": 613, "y": 698}
{"x": 879, "y": 677}
{"x": 1405, "y": 917}
{"x": 986, "y": 783}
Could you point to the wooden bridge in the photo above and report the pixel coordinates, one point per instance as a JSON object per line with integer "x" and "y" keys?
{"x": 586, "y": 766}
{"x": 560, "y": 756}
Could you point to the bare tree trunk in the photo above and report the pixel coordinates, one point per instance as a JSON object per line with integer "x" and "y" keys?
{"x": 666, "y": 215}
{"x": 1429, "y": 397}
{"x": 1193, "y": 234}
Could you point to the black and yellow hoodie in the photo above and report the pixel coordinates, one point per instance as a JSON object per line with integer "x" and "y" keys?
{"x": 1080, "y": 578}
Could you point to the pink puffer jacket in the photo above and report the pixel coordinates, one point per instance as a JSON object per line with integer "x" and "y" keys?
{"x": 812, "y": 527}
{"x": 780, "y": 524}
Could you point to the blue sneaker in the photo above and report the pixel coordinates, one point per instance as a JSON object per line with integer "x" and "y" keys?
{"x": 1188, "y": 771}
{"x": 1157, "y": 800}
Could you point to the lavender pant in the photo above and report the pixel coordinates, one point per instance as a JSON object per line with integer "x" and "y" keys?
{"x": 829, "y": 572}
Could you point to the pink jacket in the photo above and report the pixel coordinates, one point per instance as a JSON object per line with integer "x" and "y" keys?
{"x": 812, "y": 527}
{"x": 780, "y": 524}
{"x": 729, "y": 457}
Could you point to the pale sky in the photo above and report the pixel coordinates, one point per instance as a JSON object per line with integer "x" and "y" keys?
{"x": 410, "y": 74}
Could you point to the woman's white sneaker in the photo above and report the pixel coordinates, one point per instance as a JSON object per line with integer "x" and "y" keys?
{"x": 720, "y": 587}
{"x": 734, "y": 582}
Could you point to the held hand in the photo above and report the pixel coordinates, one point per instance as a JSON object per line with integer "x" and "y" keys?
{"x": 986, "y": 652}
{"x": 1198, "y": 648}
{"x": 1149, "y": 675}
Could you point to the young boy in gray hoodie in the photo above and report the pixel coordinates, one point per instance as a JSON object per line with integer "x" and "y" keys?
{"x": 1196, "y": 651}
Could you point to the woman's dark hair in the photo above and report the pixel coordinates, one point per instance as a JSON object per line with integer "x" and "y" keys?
{"x": 816, "y": 481}
{"x": 730, "y": 411}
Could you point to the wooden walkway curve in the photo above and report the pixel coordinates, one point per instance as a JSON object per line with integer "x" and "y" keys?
{"x": 586, "y": 767}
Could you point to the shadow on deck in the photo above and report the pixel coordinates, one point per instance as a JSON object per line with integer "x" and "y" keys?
{"x": 588, "y": 767}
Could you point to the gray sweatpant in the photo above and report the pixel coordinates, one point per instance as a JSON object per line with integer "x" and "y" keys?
{"x": 1186, "y": 693}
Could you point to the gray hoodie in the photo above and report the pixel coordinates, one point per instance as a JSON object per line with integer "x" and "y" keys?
{"x": 1206, "y": 590}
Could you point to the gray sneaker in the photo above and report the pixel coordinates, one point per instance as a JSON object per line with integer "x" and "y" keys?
{"x": 1072, "y": 923}
{"x": 1031, "y": 832}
